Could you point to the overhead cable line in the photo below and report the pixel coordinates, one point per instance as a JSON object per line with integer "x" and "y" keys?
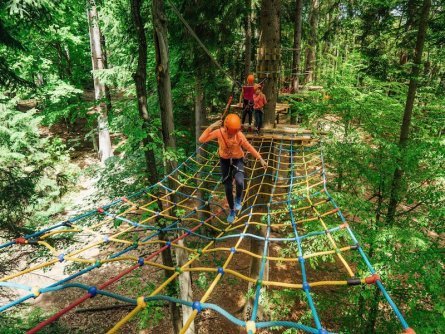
{"x": 201, "y": 44}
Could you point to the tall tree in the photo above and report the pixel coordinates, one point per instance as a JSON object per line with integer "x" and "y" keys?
{"x": 100, "y": 89}
{"x": 297, "y": 45}
{"x": 160, "y": 35}
{"x": 269, "y": 55}
{"x": 312, "y": 41}
{"x": 396, "y": 186}
{"x": 248, "y": 38}
{"x": 140, "y": 78}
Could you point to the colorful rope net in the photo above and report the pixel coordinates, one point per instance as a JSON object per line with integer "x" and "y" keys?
{"x": 288, "y": 206}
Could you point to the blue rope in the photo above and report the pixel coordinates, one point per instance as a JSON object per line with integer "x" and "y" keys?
{"x": 301, "y": 254}
{"x": 90, "y": 268}
{"x": 105, "y": 207}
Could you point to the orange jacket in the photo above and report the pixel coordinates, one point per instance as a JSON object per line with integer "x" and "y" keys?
{"x": 229, "y": 147}
{"x": 259, "y": 101}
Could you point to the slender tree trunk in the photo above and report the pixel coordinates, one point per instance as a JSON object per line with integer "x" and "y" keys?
{"x": 105, "y": 149}
{"x": 163, "y": 78}
{"x": 60, "y": 67}
{"x": 105, "y": 61}
{"x": 269, "y": 55}
{"x": 68, "y": 67}
{"x": 248, "y": 38}
{"x": 406, "y": 123}
{"x": 160, "y": 35}
{"x": 407, "y": 38}
{"x": 297, "y": 46}
{"x": 39, "y": 80}
{"x": 199, "y": 108}
{"x": 312, "y": 41}
{"x": 140, "y": 78}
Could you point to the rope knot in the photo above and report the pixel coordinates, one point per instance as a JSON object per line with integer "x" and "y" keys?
{"x": 20, "y": 240}
{"x": 36, "y": 291}
{"x": 92, "y": 290}
{"x": 250, "y": 326}
{"x": 141, "y": 302}
{"x": 197, "y": 306}
{"x": 372, "y": 279}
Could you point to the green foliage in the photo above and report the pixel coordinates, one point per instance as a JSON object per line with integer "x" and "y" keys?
{"x": 17, "y": 323}
{"x": 33, "y": 168}
{"x": 202, "y": 282}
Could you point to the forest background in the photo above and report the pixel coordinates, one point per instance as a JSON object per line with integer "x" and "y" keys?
{"x": 83, "y": 96}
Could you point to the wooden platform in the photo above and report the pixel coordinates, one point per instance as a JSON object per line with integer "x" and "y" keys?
{"x": 283, "y": 132}
{"x": 301, "y": 140}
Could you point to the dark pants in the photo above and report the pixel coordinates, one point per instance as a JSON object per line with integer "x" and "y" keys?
{"x": 247, "y": 110}
{"x": 232, "y": 169}
{"x": 258, "y": 119}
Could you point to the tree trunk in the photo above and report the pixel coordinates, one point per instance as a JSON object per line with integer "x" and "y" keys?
{"x": 163, "y": 78}
{"x": 60, "y": 68}
{"x": 69, "y": 65}
{"x": 105, "y": 149}
{"x": 408, "y": 38}
{"x": 199, "y": 108}
{"x": 312, "y": 41}
{"x": 406, "y": 123}
{"x": 297, "y": 46}
{"x": 140, "y": 78}
{"x": 160, "y": 35}
{"x": 105, "y": 62}
{"x": 269, "y": 56}
{"x": 248, "y": 39}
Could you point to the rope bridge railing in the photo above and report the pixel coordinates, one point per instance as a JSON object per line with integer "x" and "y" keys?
{"x": 289, "y": 201}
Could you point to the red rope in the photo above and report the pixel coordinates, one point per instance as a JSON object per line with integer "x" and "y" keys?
{"x": 107, "y": 283}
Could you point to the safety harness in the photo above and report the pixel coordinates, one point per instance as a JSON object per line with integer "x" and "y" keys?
{"x": 232, "y": 166}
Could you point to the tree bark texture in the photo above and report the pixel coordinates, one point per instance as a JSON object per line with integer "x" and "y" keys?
{"x": 312, "y": 41}
{"x": 396, "y": 186}
{"x": 199, "y": 108}
{"x": 160, "y": 35}
{"x": 297, "y": 46}
{"x": 248, "y": 38}
{"x": 269, "y": 56}
{"x": 140, "y": 78}
{"x": 163, "y": 78}
{"x": 105, "y": 148}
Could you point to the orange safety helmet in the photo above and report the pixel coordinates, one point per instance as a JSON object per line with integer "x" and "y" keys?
{"x": 232, "y": 123}
{"x": 250, "y": 79}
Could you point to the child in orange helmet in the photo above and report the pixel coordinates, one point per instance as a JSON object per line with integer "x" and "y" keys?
{"x": 231, "y": 142}
{"x": 247, "y": 96}
{"x": 260, "y": 101}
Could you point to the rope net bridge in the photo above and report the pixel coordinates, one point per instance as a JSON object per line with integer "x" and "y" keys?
{"x": 286, "y": 207}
